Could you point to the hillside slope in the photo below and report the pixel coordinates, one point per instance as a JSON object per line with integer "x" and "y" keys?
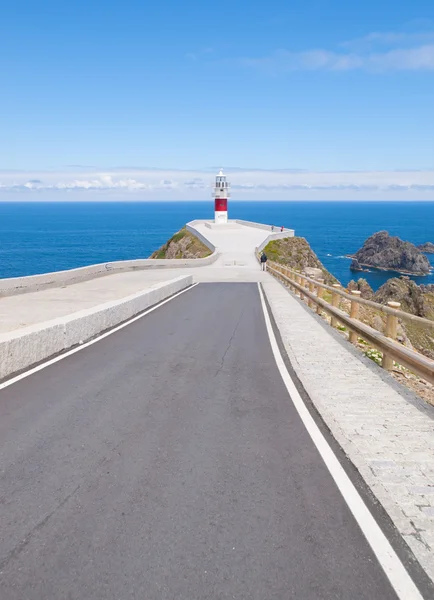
{"x": 417, "y": 300}
{"x": 182, "y": 245}
{"x": 296, "y": 253}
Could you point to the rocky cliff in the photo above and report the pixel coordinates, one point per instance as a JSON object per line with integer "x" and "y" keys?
{"x": 362, "y": 286}
{"x": 417, "y": 300}
{"x": 296, "y": 254}
{"x": 386, "y": 252}
{"x": 414, "y": 299}
{"x": 182, "y": 245}
{"x": 428, "y": 248}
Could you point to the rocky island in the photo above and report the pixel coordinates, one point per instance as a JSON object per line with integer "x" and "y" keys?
{"x": 389, "y": 253}
{"x": 427, "y": 248}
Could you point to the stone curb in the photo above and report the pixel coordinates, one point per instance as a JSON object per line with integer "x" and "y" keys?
{"x": 31, "y": 345}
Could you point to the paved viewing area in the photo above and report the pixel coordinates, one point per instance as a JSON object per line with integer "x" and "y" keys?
{"x": 171, "y": 459}
{"x": 236, "y": 243}
{"x": 231, "y": 265}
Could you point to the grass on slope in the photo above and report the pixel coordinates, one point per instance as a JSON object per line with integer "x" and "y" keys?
{"x": 295, "y": 253}
{"x": 182, "y": 245}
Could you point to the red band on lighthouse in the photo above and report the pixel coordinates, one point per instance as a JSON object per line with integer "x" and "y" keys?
{"x": 221, "y": 205}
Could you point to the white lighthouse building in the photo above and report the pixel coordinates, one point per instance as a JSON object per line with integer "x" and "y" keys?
{"x": 221, "y": 195}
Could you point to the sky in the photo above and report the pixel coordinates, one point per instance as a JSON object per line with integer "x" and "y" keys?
{"x": 295, "y": 99}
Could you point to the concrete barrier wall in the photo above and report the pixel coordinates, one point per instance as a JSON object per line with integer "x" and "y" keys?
{"x": 286, "y": 233}
{"x": 35, "y": 283}
{"x": 21, "y": 349}
{"x": 276, "y": 235}
{"x": 191, "y": 228}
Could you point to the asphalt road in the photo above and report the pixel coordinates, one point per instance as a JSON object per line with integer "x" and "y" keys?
{"x": 167, "y": 461}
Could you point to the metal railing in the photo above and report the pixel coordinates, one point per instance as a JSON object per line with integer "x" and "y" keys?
{"x": 313, "y": 290}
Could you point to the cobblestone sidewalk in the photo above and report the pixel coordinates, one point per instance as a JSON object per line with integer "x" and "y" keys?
{"x": 387, "y": 432}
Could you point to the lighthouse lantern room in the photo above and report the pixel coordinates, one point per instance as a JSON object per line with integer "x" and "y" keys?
{"x": 221, "y": 195}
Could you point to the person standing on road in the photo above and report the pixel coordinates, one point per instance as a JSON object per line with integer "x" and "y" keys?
{"x": 272, "y": 228}
{"x": 282, "y": 228}
{"x": 264, "y": 261}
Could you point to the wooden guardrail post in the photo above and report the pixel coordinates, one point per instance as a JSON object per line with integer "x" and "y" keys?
{"x": 312, "y": 290}
{"x": 279, "y": 273}
{"x": 298, "y": 280}
{"x": 301, "y": 280}
{"x": 354, "y": 314}
{"x": 391, "y": 331}
{"x": 288, "y": 274}
{"x": 335, "y": 302}
{"x": 306, "y": 285}
{"x": 319, "y": 294}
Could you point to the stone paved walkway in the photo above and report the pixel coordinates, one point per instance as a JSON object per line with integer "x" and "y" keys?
{"x": 236, "y": 243}
{"x": 387, "y": 432}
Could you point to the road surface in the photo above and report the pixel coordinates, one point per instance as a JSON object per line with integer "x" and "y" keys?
{"x": 167, "y": 461}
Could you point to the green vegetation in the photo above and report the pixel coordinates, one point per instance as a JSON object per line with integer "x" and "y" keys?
{"x": 375, "y": 355}
{"x": 182, "y": 244}
{"x": 295, "y": 253}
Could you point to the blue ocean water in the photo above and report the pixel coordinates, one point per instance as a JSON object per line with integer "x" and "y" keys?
{"x": 38, "y": 237}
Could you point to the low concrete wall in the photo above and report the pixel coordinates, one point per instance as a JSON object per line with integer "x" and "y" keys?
{"x": 35, "y": 283}
{"x": 274, "y": 235}
{"x": 25, "y": 347}
{"x": 286, "y": 233}
{"x": 192, "y": 229}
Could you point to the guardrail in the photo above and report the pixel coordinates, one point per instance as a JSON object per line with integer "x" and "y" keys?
{"x": 313, "y": 290}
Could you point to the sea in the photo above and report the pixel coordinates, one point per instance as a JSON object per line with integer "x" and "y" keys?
{"x": 39, "y": 237}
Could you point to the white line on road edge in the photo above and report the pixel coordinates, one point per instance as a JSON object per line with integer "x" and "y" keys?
{"x": 397, "y": 574}
{"x": 85, "y": 345}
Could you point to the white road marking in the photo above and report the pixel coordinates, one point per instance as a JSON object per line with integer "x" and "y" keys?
{"x": 93, "y": 341}
{"x": 397, "y": 574}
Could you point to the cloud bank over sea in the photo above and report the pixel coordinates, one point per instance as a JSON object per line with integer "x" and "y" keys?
{"x": 91, "y": 183}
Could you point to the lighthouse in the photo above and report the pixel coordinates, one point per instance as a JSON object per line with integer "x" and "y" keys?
{"x": 221, "y": 195}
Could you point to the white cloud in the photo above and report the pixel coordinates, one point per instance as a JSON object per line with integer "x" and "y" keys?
{"x": 409, "y": 59}
{"x": 377, "y": 52}
{"x": 160, "y": 184}
{"x": 391, "y": 39}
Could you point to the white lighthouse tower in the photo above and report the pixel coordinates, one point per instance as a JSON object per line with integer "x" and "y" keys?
{"x": 221, "y": 195}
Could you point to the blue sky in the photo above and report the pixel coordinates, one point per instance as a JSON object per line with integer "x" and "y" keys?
{"x": 106, "y": 93}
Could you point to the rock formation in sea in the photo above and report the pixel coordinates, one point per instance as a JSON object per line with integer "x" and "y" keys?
{"x": 389, "y": 253}
{"x": 428, "y": 248}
